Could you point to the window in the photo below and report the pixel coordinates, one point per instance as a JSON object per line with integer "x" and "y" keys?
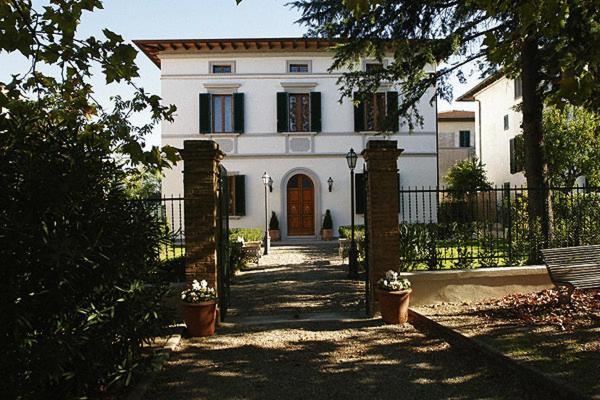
{"x": 298, "y": 67}
{"x": 518, "y": 88}
{"x": 506, "y": 126}
{"x": 516, "y": 154}
{"x": 464, "y": 139}
{"x": 371, "y": 67}
{"x": 374, "y": 112}
{"x": 221, "y": 68}
{"x": 222, "y": 113}
{"x": 236, "y": 185}
{"x": 299, "y": 112}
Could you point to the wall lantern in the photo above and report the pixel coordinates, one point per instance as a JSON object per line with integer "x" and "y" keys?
{"x": 270, "y": 185}
{"x": 330, "y": 183}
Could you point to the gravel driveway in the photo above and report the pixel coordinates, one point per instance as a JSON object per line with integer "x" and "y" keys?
{"x": 273, "y": 347}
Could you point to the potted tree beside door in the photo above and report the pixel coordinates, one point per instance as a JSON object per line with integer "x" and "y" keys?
{"x": 274, "y": 227}
{"x": 327, "y": 227}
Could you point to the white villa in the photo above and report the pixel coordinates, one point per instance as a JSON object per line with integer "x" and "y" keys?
{"x": 272, "y": 106}
{"x": 497, "y": 122}
{"x": 456, "y": 139}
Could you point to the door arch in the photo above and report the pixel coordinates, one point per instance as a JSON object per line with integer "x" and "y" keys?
{"x": 300, "y": 206}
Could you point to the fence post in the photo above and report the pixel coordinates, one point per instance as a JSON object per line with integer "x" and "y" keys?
{"x": 382, "y": 207}
{"x": 200, "y": 187}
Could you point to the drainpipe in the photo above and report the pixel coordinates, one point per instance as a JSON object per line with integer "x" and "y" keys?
{"x": 479, "y": 123}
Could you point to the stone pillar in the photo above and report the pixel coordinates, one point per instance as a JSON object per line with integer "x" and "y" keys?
{"x": 201, "y": 161}
{"x": 382, "y": 211}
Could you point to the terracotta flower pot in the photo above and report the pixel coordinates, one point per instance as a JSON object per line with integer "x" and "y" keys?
{"x": 327, "y": 234}
{"x": 200, "y": 318}
{"x": 394, "y": 306}
{"x": 274, "y": 234}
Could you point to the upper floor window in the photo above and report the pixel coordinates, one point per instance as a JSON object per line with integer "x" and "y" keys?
{"x": 373, "y": 66}
{"x": 506, "y": 125}
{"x": 518, "y": 88}
{"x": 298, "y": 67}
{"x": 375, "y": 111}
{"x": 299, "y": 112}
{"x": 464, "y": 139}
{"x": 222, "y": 113}
{"x": 221, "y": 68}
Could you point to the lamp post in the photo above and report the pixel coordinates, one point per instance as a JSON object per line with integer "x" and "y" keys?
{"x": 267, "y": 182}
{"x": 351, "y": 158}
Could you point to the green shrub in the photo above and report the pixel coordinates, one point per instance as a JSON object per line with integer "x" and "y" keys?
{"x": 327, "y": 220}
{"x": 274, "y": 222}
{"x": 173, "y": 269}
{"x": 80, "y": 284}
{"x": 345, "y": 231}
{"x": 249, "y": 234}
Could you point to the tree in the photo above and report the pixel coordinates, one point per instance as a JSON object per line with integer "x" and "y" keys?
{"x": 572, "y": 145}
{"x": 80, "y": 287}
{"x": 467, "y": 177}
{"x": 548, "y": 44}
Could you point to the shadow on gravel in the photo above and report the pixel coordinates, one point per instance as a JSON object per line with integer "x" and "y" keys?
{"x": 329, "y": 361}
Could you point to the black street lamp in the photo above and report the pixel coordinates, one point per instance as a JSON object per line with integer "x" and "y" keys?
{"x": 268, "y": 183}
{"x": 351, "y": 158}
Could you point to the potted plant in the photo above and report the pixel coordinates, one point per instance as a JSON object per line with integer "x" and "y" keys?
{"x": 274, "y": 227}
{"x": 393, "y": 295}
{"x": 327, "y": 227}
{"x": 199, "y": 309}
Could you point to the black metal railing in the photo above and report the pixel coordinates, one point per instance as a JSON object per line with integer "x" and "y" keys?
{"x": 169, "y": 212}
{"x": 443, "y": 229}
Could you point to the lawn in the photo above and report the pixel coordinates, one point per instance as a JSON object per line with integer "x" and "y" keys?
{"x": 562, "y": 341}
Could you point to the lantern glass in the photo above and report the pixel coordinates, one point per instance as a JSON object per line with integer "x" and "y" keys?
{"x": 351, "y": 158}
{"x": 265, "y": 178}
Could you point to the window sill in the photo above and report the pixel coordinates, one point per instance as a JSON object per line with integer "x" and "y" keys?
{"x": 224, "y": 134}
{"x": 299, "y": 133}
{"x": 235, "y": 216}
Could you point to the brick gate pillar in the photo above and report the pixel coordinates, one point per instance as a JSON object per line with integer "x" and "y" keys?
{"x": 382, "y": 211}
{"x": 201, "y": 161}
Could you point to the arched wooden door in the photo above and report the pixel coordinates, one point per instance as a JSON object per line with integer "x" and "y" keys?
{"x": 300, "y": 206}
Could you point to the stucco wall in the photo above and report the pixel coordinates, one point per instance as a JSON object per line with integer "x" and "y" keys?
{"x": 497, "y": 100}
{"x": 261, "y": 148}
{"x": 431, "y": 287}
{"x": 449, "y": 140}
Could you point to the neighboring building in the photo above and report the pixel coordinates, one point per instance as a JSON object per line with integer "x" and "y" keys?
{"x": 497, "y": 122}
{"x": 456, "y": 139}
{"x": 272, "y": 105}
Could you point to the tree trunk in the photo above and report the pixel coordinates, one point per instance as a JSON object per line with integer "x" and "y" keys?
{"x": 536, "y": 168}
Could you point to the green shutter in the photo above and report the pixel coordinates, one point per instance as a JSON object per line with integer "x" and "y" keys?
{"x": 282, "y": 112}
{"x": 359, "y": 115}
{"x": 240, "y": 195}
{"x": 204, "y": 110}
{"x": 359, "y": 193}
{"x": 392, "y": 110}
{"x": 238, "y": 112}
{"x": 513, "y": 161}
{"x": 464, "y": 139}
{"x": 315, "y": 111}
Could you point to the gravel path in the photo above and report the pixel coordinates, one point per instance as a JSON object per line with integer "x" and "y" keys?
{"x": 329, "y": 359}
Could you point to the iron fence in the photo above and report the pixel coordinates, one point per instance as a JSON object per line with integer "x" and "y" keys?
{"x": 169, "y": 212}
{"x": 443, "y": 229}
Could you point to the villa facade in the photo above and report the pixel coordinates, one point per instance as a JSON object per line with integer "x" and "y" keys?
{"x": 273, "y": 106}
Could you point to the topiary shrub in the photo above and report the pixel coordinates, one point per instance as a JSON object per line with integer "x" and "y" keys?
{"x": 274, "y": 222}
{"x": 327, "y": 220}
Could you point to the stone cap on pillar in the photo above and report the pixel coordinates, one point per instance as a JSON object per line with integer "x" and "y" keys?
{"x": 201, "y": 149}
{"x": 386, "y": 148}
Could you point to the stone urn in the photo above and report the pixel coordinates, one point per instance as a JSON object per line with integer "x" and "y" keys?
{"x": 200, "y": 318}
{"x": 394, "y": 305}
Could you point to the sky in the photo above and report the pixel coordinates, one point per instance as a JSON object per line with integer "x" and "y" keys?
{"x": 165, "y": 19}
